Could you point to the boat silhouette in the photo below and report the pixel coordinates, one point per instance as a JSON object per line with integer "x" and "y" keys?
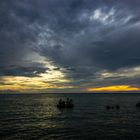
{"x": 65, "y": 104}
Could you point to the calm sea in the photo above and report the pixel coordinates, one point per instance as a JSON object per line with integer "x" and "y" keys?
{"x": 26, "y": 117}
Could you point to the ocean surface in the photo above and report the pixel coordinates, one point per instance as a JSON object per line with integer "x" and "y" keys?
{"x": 36, "y": 117}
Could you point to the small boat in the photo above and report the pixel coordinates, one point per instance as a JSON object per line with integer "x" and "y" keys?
{"x": 117, "y": 107}
{"x": 62, "y": 104}
{"x": 108, "y": 107}
{"x": 69, "y": 106}
{"x": 138, "y": 105}
{"x": 112, "y": 107}
{"x": 66, "y": 106}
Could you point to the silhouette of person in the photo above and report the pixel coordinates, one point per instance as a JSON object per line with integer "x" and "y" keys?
{"x": 60, "y": 102}
{"x": 67, "y": 101}
{"x": 63, "y": 103}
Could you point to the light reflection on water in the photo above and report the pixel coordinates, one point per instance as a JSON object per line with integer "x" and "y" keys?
{"x": 36, "y": 117}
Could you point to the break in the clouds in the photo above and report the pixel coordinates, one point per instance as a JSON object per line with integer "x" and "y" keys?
{"x": 74, "y": 44}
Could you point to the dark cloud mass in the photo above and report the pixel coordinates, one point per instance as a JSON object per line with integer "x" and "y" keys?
{"x": 30, "y": 71}
{"x": 83, "y": 37}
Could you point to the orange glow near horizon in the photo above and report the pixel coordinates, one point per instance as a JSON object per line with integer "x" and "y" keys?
{"x": 114, "y": 88}
{"x": 31, "y": 84}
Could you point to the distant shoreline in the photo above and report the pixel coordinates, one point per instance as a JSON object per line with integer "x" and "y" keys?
{"x": 69, "y": 93}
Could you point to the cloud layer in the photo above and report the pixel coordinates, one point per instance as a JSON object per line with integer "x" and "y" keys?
{"x": 93, "y": 43}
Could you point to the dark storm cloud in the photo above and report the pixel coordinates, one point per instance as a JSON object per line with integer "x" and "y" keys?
{"x": 14, "y": 35}
{"x": 84, "y": 37}
{"x": 120, "y": 49}
{"x": 81, "y": 49}
{"x": 29, "y": 71}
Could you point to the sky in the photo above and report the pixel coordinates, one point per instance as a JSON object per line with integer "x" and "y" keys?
{"x": 52, "y": 46}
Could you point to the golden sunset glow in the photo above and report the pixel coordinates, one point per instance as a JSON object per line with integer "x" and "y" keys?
{"x": 42, "y": 82}
{"x": 114, "y": 88}
{"x": 34, "y": 84}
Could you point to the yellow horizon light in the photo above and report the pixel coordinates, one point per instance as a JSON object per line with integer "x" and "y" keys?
{"x": 114, "y": 88}
{"x": 32, "y": 84}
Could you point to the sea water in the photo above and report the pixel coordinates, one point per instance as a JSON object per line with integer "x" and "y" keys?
{"x": 35, "y": 116}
